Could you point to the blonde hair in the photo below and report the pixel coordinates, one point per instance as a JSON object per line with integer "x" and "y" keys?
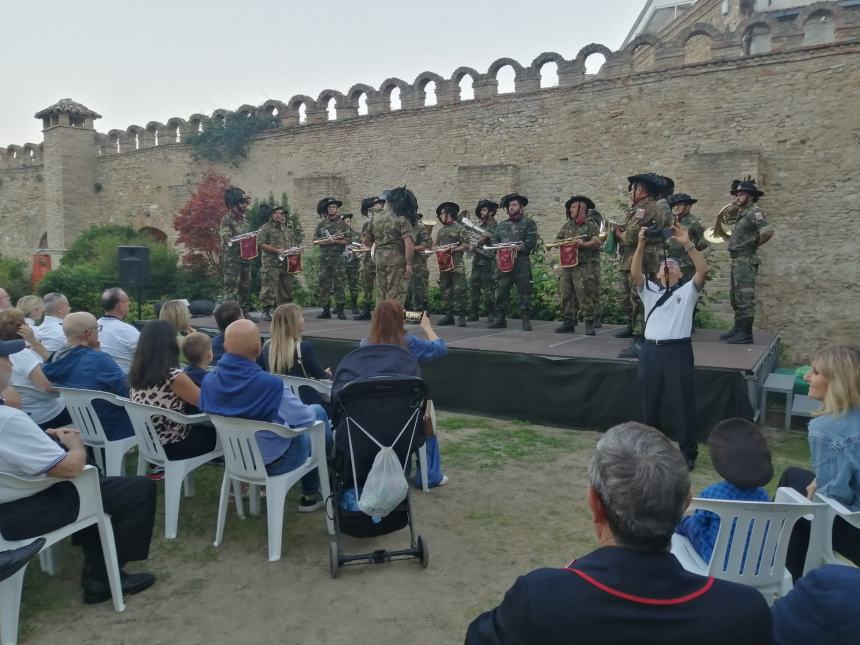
{"x": 196, "y": 346}
{"x": 840, "y": 366}
{"x": 28, "y": 304}
{"x": 177, "y": 314}
{"x": 285, "y": 337}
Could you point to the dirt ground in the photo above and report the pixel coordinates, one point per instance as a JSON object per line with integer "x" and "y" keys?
{"x": 515, "y": 501}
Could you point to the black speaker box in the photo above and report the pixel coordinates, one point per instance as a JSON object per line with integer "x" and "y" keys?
{"x": 133, "y": 265}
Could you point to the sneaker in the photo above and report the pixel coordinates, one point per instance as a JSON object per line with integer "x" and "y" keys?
{"x": 156, "y": 473}
{"x": 312, "y": 503}
{"x": 442, "y": 481}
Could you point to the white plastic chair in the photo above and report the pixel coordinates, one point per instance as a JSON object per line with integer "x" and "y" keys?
{"x": 79, "y": 403}
{"x": 243, "y": 462}
{"x": 90, "y": 512}
{"x": 765, "y": 548}
{"x": 295, "y": 382}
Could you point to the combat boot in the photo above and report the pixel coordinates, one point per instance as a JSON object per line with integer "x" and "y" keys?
{"x": 589, "y": 327}
{"x": 339, "y": 312}
{"x": 566, "y": 327}
{"x": 744, "y": 335}
{"x": 267, "y": 313}
{"x": 499, "y": 322}
{"x": 730, "y": 333}
{"x": 355, "y": 305}
{"x": 461, "y": 320}
{"x": 448, "y": 320}
{"x": 527, "y": 326}
{"x": 473, "y": 317}
{"x": 491, "y": 313}
{"x": 633, "y": 350}
{"x": 325, "y": 313}
{"x": 364, "y": 315}
{"x": 625, "y": 332}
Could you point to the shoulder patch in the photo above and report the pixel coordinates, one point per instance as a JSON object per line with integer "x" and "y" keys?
{"x": 639, "y": 214}
{"x": 758, "y": 215}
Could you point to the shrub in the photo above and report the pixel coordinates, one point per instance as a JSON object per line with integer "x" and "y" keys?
{"x": 15, "y": 278}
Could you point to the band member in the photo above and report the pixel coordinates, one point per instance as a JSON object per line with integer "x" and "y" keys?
{"x": 419, "y": 283}
{"x": 522, "y": 231}
{"x": 482, "y": 283}
{"x": 273, "y": 238}
{"x": 644, "y": 213}
{"x": 392, "y": 235}
{"x": 370, "y": 206}
{"x": 751, "y": 230}
{"x": 595, "y": 216}
{"x": 352, "y": 262}
{"x": 331, "y": 235}
{"x": 579, "y": 282}
{"x": 237, "y": 271}
{"x": 452, "y": 270}
{"x": 681, "y": 204}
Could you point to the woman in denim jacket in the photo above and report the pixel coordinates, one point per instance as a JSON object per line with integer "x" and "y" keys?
{"x": 834, "y": 445}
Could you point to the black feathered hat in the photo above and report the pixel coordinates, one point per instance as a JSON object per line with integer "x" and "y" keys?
{"x": 507, "y": 199}
{"x": 747, "y": 186}
{"x": 453, "y": 209}
{"x": 323, "y": 204}
{"x": 403, "y": 202}
{"x": 579, "y": 198}
{"x": 368, "y": 202}
{"x": 668, "y": 186}
{"x": 654, "y": 183}
{"x": 489, "y": 205}
{"x": 681, "y": 198}
{"x": 234, "y": 196}
{"x": 740, "y": 454}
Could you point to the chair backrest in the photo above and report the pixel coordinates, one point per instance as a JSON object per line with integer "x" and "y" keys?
{"x": 296, "y": 382}
{"x": 79, "y": 403}
{"x": 753, "y": 538}
{"x": 840, "y": 510}
{"x": 35, "y": 390}
{"x": 143, "y": 421}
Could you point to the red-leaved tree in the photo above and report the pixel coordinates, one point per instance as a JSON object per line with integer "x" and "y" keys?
{"x": 198, "y": 221}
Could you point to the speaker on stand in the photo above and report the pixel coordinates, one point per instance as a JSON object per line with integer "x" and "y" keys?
{"x": 134, "y": 270}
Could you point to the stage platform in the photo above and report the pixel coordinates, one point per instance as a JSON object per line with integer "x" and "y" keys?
{"x": 566, "y": 380}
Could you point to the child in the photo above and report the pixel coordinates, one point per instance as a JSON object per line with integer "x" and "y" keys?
{"x": 197, "y": 348}
{"x": 740, "y": 455}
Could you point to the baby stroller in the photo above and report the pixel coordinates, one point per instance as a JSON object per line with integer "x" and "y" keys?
{"x": 378, "y": 388}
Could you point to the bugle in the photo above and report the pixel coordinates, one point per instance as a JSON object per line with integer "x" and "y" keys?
{"x": 444, "y": 247}
{"x": 569, "y": 240}
{"x": 243, "y": 236}
{"x": 330, "y": 238}
{"x": 293, "y": 250}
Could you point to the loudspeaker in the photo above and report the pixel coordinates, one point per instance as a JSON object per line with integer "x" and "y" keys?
{"x": 133, "y": 265}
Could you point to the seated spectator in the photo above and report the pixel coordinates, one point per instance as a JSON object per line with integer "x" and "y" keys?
{"x": 226, "y": 313}
{"x": 631, "y": 589}
{"x": 740, "y": 455}
{"x": 286, "y": 353}
{"x": 821, "y": 609}
{"x": 5, "y": 300}
{"x": 197, "y": 348}
{"x": 239, "y": 388}
{"x": 33, "y": 309}
{"x": 39, "y": 398}
{"x": 155, "y": 379}
{"x": 176, "y": 312}
{"x": 27, "y": 451}
{"x": 8, "y": 395}
{"x": 50, "y": 332}
{"x": 81, "y": 365}
{"x": 118, "y": 339}
{"x": 834, "y": 447}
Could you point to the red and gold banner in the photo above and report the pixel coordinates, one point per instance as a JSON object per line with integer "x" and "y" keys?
{"x": 446, "y": 260}
{"x": 248, "y": 248}
{"x": 294, "y": 263}
{"x": 568, "y": 254}
{"x": 505, "y": 259}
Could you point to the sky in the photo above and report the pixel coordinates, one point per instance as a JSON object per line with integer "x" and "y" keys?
{"x": 135, "y": 62}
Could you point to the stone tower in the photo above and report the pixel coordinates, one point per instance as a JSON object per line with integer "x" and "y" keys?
{"x": 70, "y": 172}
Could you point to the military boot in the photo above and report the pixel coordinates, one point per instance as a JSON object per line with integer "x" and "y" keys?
{"x": 461, "y": 320}
{"x": 589, "y": 327}
{"x": 339, "y": 312}
{"x": 364, "y": 315}
{"x": 355, "y": 305}
{"x": 448, "y": 320}
{"x": 625, "y": 332}
{"x": 491, "y": 313}
{"x": 633, "y": 350}
{"x": 325, "y": 313}
{"x": 566, "y": 327}
{"x": 730, "y": 333}
{"x": 267, "y": 313}
{"x": 527, "y": 326}
{"x": 499, "y": 322}
{"x": 473, "y": 316}
{"x": 744, "y": 335}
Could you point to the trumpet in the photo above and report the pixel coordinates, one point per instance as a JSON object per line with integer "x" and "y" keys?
{"x": 243, "y": 236}
{"x": 293, "y": 250}
{"x": 444, "y": 247}
{"x": 569, "y": 240}
{"x": 330, "y": 238}
{"x": 503, "y": 245}
{"x": 717, "y": 234}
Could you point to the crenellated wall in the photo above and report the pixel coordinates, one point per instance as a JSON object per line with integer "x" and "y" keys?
{"x": 703, "y": 113}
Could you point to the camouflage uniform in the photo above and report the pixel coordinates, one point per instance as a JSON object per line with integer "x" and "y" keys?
{"x": 332, "y": 275}
{"x": 697, "y": 236}
{"x": 577, "y": 285}
{"x": 352, "y": 264}
{"x": 276, "y": 281}
{"x": 482, "y": 281}
{"x": 237, "y": 272}
{"x": 419, "y": 283}
{"x": 524, "y": 230}
{"x": 743, "y": 249}
{"x": 453, "y": 283}
{"x": 367, "y": 272}
{"x": 387, "y": 232}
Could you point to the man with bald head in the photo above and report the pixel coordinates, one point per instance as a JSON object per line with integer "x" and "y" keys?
{"x": 50, "y": 332}
{"x": 118, "y": 338}
{"x": 82, "y": 365}
{"x": 240, "y": 388}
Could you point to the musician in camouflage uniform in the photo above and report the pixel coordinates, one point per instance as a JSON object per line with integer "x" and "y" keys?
{"x": 237, "y": 272}
{"x": 332, "y": 275}
{"x": 681, "y": 204}
{"x": 751, "y": 230}
{"x": 420, "y": 281}
{"x": 453, "y": 282}
{"x": 644, "y": 212}
{"x": 273, "y": 238}
{"x": 370, "y": 206}
{"x": 578, "y": 285}
{"x": 482, "y": 281}
{"x": 522, "y": 231}
{"x": 392, "y": 233}
{"x": 352, "y": 263}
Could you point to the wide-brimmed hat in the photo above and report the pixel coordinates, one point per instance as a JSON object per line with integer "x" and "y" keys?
{"x": 746, "y": 187}
{"x": 323, "y": 204}
{"x": 681, "y": 198}
{"x": 486, "y": 203}
{"x": 579, "y": 198}
{"x": 346, "y": 216}
{"x": 740, "y": 454}
{"x": 368, "y": 202}
{"x": 507, "y": 199}
{"x": 655, "y": 181}
{"x": 453, "y": 209}
{"x": 9, "y": 347}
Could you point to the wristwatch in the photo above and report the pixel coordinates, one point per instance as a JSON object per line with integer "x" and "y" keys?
{"x": 689, "y": 247}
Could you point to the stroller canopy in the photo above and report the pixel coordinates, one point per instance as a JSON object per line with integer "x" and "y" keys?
{"x": 374, "y": 360}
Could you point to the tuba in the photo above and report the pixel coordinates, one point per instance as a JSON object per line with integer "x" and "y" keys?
{"x": 717, "y": 234}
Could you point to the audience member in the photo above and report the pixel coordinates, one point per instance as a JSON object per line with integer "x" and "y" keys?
{"x": 39, "y": 398}
{"x": 50, "y": 332}
{"x": 81, "y": 365}
{"x": 239, "y": 388}
{"x": 226, "y": 313}
{"x": 821, "y": 609}
{"x": 27, "y": 451}
{"x": 631, "y": 589}
{"x": 155, "y": 379}
{"x": 8, "y": 395}
{"x": 177, "y": 313}
{"x": 197, "y": 348}
{"x": 740, "y": 455}
{"x": 834, "y": 446}
{"x": 118, "y": 339}
{"x": 33, "y": 309}
{"x": 5, "y": 300}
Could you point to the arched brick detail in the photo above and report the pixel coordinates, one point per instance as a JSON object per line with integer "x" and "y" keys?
{"x": 176, "y": 130}
{"x": 32, "y": 152}
{"x": 444, "y": 96}
{"x": 274, "y": 108}
{"x": 462, "y": 72}
{"x": 220, "y": 114}
{"x": 144, "y": 139}
{"x": 292, "y": 113}
{"x": 197, "y": 122}
{"x": 496, "y": 65}
{"x": 407, "y": 94}
{"x": 119, "y": 140}
{"x": 593, "y": 48}
{"x": 831, "y": 9}
{"x": 157, "y": 132}
{"x": 698, "y": 29}
{"x": 355, "y": 92}
{"x": 104, "y": 145}
{"x": 247, "y": 110}
{"x": 547, "y": 57}
{"x": 340, "y": 103}
{"x": 755, "y": 20}
{"x": 642, "y": 40}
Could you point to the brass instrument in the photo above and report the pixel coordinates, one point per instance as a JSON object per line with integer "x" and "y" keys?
{"x": 569, "y": 240}
{"x": 243, "y": 236}
{"x": 444, "y": 247}
{"x": 330, "y": 238}
{"x": 429, "y": 227}
{"x": 293, "y": 250}
{"x": 717, "y": 234}
{"x": 503, "y": 245}
{"x": 606, "y": 223}
{"x": 352, "y": 249}
{"x": 475, "y": 231}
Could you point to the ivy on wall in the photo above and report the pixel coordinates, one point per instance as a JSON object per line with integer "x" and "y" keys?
{"x": 228, "y": 141}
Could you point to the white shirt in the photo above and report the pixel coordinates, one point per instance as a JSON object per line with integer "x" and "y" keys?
{"x": 25, "y": 450}
{"x": 119, "y": 340}
{"x": 40, "y": 405}
{"x": 674, "y": 318}
{"x": 50, "y": 333}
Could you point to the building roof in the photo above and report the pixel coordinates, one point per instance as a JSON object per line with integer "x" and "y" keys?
{"x": 655, "y": 15}
{"x": 68, "y": 106}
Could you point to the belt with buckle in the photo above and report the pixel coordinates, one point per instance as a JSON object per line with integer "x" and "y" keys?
{"x": 668, "y": 341}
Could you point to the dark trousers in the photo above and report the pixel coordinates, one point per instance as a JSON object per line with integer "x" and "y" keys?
{"x": 60, "y": 421}
{"x": 846, "y": 538}
{"x": 200, "y": 440}
{"x": 129, "y": 501}
{"x": 666, "y": 371}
